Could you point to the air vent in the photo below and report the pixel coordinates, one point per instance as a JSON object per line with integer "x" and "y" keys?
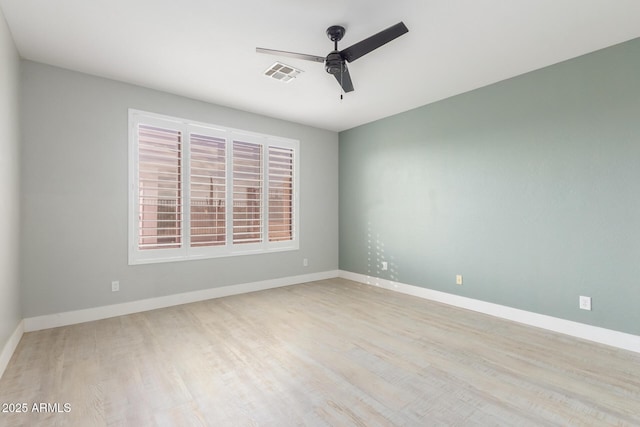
{"x": 282, "y": 72}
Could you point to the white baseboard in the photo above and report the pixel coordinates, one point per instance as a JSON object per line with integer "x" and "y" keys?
{"x": 580, "y": 330}
{"x": 104, "y": 312}
{"x": 10, "y": 347}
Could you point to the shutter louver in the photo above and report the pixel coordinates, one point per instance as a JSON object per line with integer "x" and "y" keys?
{"x": 247, "y": 192}
{"x": 280, "y": 194}
{"x": 208, "y": 191}
{"x": 159, "y": 188}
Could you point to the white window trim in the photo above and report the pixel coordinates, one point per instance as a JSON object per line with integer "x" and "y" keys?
{"x": 186, "y": 252}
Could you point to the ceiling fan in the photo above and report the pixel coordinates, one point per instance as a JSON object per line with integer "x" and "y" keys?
{"x": 336, "y": 61}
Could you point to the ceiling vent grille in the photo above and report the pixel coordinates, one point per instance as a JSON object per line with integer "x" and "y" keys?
{"x": 282, "y": 72}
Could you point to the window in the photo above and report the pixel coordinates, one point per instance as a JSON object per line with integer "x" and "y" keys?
{"x": 203, "y": 191}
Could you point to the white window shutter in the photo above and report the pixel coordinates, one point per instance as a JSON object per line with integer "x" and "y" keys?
{"x": 281, "y": 200}
{"x": 208, "y": 190}
{"x": 247, "y": 193}
{"x": 159, "y": 188}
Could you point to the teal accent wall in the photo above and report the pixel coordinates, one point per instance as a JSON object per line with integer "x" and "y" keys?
{"x": 529, "y": 188}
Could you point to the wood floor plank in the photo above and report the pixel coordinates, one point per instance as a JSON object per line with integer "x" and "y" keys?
{"x": 327, "y": 353}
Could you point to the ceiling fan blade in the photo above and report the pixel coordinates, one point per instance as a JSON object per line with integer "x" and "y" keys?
{"x": 369, "y": 44}
{"x": 304, "y": 56}
{"x": 344, "y": 79}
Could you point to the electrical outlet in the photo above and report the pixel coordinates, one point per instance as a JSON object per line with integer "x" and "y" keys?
{"x": 305, "y": 262}
{"x": 458, "y": 279}
{"x": 585, "y": 303}
{"x": 115, "y": 286}
{"x": 385, "y": 266}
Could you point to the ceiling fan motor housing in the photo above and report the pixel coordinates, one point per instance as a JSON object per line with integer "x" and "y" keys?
{"x": 333, "y": 63}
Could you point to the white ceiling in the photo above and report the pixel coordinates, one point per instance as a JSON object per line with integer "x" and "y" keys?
{"x": 205, "y": 49}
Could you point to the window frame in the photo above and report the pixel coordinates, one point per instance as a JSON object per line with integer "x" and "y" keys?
{"x": 229, "y": 135}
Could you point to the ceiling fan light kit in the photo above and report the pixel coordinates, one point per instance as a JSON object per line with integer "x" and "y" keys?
{"x": 335, "y": 62}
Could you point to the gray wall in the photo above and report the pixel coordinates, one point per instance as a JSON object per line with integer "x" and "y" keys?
{"x": 10, "y": 311}
{"x": 530, "y": 188}
{"x": 74, "y": 187}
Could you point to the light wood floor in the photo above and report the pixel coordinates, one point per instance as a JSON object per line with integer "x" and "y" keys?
{"x": 328, "y": 353}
